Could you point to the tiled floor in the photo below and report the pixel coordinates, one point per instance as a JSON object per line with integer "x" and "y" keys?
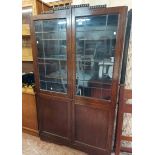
{"x": 34, "y": 146}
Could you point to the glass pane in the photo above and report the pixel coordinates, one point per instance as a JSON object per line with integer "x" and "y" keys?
{"x": 52, "y": 54}
{"x": 38, "y": 26}
{"x": 95, "y": 51}
{"x": 50, "y": 25}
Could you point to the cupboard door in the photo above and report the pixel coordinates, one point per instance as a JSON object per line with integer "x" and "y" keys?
{"x": 98, "y": 36}
{"x": 53, "y": 53}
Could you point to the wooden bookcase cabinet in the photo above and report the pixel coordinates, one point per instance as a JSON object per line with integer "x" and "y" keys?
{"x": 29, "y": 8}
{"x": 78, "y": 55}
{"x": 29, "y": 112}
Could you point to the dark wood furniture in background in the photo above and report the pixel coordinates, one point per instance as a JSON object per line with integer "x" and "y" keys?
{"x": 29, "y": 8}
{"x": 76, "y": 50}
{"x": 123, "y": 107}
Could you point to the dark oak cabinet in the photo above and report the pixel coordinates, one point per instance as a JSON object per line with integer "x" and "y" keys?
{"x": 77, "y": 60}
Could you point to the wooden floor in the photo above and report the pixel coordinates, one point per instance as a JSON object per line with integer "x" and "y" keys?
{"x": 32, "y": 145}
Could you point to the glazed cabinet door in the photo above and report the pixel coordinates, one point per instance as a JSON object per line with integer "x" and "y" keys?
{"x": 98, "y": 35}
{"x": 52, "y": 40}
{"x": 52, "y": 59}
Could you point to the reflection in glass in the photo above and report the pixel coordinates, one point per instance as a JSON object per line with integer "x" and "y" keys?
{"x": 95, "y": 52}
{"x": 52, "y": 54}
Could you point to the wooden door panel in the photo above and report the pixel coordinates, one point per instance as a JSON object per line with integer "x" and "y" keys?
{"x": 54, "y": 116}
{"x": 91, "y": 126}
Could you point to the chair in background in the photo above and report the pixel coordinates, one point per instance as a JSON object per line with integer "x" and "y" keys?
{"x": 124, "y": 96}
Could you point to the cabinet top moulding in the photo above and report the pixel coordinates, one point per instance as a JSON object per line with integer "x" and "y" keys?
{"x": 79, "y": 9}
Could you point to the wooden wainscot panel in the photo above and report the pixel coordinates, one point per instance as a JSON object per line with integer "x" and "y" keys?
{"x": 54, "y": 118}
{"x": 91, "y": 126}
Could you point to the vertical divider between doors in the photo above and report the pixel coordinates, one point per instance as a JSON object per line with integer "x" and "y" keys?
{"x": 72, "y": 17}
{"x": 70, "y": 71}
